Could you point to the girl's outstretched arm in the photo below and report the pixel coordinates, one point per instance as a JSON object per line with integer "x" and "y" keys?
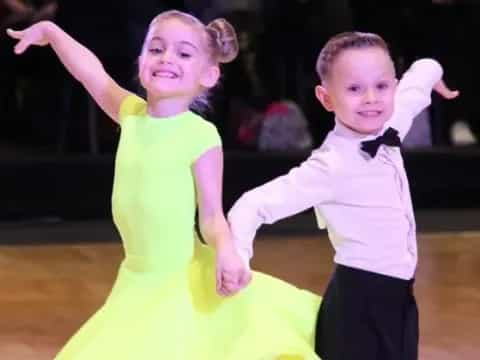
{"x": 79, "y": 61}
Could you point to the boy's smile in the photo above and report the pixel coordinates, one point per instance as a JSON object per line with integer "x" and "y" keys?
{"x": 360, "y": 89}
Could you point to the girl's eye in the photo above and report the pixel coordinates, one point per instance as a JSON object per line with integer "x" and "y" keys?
{"x": 155, "y": 50}
{"x": 185, "y": 55}
{"x": 353, "y": 88}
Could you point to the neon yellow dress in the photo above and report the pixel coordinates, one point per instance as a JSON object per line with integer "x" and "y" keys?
{"x": 163, "y": 304}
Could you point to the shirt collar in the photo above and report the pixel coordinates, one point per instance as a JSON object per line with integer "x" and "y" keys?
{"x": 342, "y": 131}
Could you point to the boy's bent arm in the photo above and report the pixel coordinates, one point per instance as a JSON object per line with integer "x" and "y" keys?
{"x": 413, "y": 93}
{"x": 303, "y": 187}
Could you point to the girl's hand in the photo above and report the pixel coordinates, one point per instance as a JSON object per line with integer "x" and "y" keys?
{"x": 33, "y": 35}
{"x": 444, "y": 91}
{"x": 232, "y": 273}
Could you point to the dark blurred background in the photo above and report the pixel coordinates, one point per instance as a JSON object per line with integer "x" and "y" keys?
{"x": 57, "y": 148}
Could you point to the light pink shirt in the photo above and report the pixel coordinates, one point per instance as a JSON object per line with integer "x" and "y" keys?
{"x": 364, "y": 203}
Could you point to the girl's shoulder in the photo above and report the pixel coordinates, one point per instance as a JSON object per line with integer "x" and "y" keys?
{"x": 132, "y": 105}
{"x": 199, "y": 123}
{"x": 202, "y": 135}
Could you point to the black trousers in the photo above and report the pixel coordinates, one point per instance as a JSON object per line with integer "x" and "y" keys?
{"x": 367, "y": 316}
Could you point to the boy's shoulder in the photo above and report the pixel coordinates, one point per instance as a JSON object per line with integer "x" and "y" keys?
{"x": 340, "y": 154}
{"x": 328, "y": 156}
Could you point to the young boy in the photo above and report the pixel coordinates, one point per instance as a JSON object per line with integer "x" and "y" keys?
{"x": 357, "y": 185}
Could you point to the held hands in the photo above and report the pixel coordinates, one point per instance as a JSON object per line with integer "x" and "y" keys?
{"x": 33, "y": 35}
{"x": 444, "y": 91}
{"x": 232, "y": 273}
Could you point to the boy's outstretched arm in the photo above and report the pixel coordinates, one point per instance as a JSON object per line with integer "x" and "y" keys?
{"x": 305, "y": 186}
{"x": 79, "y": 61}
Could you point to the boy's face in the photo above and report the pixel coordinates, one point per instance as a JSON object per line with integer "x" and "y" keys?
{"x": 174, "y": 62}
{"x": 360, "y": 89}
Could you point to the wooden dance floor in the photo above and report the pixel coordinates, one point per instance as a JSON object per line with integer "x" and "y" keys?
{"x": 48, "y": 290}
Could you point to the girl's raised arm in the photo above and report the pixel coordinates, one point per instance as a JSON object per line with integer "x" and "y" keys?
{"x": 78, "y": 60}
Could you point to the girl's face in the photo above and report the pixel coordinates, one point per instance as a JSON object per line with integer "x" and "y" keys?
{"x": 360, "y": 89}
{"x": 174, "y": 62}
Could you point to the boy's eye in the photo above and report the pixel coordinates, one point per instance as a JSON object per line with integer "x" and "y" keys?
{"x": 382, "y": 86}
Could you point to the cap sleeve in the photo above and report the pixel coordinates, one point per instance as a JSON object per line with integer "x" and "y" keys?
{"x": 204, "y": 136}
{"x": 132, "y": 105}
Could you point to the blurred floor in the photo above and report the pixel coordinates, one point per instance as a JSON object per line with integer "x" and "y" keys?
{"x": 50, "y": 288}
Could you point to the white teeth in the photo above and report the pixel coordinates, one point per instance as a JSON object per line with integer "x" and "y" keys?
{"x": 369, "y": 113}
{"x": 165, "y": 74}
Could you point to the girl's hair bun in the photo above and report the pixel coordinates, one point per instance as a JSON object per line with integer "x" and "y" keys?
{"x": 224, "y": 40}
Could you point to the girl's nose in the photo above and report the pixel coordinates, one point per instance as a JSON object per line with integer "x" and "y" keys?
{"x": 166, "y": 56}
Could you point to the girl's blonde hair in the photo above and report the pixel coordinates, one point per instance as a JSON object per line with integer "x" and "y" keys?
{"x": 221, "y": 44}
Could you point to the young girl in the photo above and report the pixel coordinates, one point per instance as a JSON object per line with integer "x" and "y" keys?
{"x": 357, "y": 184}
{"x": 169, "y": 161}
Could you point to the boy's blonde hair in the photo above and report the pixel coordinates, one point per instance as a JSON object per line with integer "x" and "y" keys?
{"x": 344, "y": 41}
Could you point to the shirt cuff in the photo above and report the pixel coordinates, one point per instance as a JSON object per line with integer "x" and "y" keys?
{"x": 245, "y": 256}
{"x": 430, "y": 69}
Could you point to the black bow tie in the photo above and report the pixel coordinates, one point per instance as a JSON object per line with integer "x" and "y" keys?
{"x": 389, "y": 137}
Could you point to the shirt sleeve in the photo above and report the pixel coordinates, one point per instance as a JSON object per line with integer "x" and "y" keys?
{"x": 413, "y": 93}
{"x": 307, "y": 185}
{"x": 132, "y": 105}
{"x": 204, "y": 136}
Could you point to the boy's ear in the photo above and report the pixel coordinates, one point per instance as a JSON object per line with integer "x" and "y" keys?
{"x": 322, "y": 95}
{"x": 210, "y": 76}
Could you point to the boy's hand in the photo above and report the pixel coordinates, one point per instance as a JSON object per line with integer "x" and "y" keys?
{"x": 232, "y": 273}
{"x": 33, "y": 35}
{"x": 444, "y": 91}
